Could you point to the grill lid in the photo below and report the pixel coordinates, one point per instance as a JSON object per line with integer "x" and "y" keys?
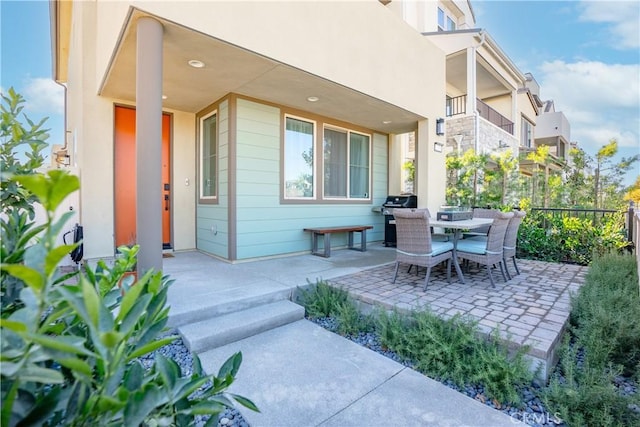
{"x": 406, "y": 201}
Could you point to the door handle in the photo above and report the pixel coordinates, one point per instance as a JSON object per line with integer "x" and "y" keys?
{"x": 166, "y": 202}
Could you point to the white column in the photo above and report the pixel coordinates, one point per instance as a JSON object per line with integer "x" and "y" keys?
{"x": 471, "y": 81}
{"x": 149, "y": 144}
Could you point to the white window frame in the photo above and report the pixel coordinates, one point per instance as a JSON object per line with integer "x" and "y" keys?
{"x": 314, "y": 167}
{"x": 348, "y": 160}
{"x": 201, "y": 158}
{"x": 528, "y": 143}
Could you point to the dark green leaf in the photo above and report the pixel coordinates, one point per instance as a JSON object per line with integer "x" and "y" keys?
{"x": 128, "y": 301}
{"x": 231, "y": 366}
{"x": 29, "y": 276}
{"x": 134, "y": 376}
{"x": 141, "y": 404}
{"x": 245, "y": 402}
{"x": 42, "y": 410}
{"x": 152, "y": 346}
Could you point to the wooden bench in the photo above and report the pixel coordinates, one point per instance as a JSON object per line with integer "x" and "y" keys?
{"x": 326, "y": 232}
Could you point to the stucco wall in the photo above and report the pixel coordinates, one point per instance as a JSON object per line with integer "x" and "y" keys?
{"x": 389, "y": 63}
{"x": 91, "y": 123}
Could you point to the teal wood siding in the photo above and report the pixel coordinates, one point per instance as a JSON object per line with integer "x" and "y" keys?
{"x": 264, "y": 226}
{"x": 212, "y": 221}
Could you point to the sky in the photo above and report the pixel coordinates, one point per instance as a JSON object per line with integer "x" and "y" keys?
{"x": 584, "y": 54}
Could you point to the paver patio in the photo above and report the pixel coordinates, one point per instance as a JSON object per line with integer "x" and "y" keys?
{"x": 532, "y": 308}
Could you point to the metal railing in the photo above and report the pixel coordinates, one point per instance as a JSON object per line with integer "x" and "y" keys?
{"x": 631, "y": 226}
{"x": 456, "y": 105}
{"x": 493, "y": 116}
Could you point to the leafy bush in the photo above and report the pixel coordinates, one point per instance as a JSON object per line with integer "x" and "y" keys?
{"x": 604, "y": 343}
{"x": 16, "y": 138}
{"x": 70, "y": 351}
{"x": 547, "y": 237}
{"x": 71, "y": 345}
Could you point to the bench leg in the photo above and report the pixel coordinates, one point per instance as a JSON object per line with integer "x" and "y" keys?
{"x": 327, "y": 245}
{"x": 314, "y": 244}
{"x": 363, "y": 241}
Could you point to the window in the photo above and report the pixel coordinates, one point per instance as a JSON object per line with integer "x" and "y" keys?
{"x": 451, "y": 25}
{"x": 527, "y": 133}
{"x": 209, "y": 156}
{"x": 335, "y": 165}
{"x": 346, "y": 164}
{"x": 441, "y": 18}
{"x": 298, "y": 158}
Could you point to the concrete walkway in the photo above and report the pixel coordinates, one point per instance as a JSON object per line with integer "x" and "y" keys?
{"x": 302, "y": 375}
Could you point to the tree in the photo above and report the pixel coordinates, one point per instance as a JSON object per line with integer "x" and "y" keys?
{"x": 540, "y": 157}
{"x": 607, "y": 186}
{"x": 633, "y": 194}
{"x": 15, "y": 159}
{"x": 578, "y": 182}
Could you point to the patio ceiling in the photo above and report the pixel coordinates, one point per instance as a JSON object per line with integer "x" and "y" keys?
{"x": 488, "y": 83}
{"x": 229, "y": 68}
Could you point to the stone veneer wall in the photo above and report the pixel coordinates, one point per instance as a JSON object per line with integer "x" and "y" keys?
{"x": 465, "y": 126}
{"x": 489, "y": 135}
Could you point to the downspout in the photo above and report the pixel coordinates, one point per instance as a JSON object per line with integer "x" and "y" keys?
{"x": 64, "y": 120}
{"x": 476, "y": 116}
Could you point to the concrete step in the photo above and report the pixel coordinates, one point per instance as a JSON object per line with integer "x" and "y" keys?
{"x": 220, "y": 330}
{"x": 202, "y": 306}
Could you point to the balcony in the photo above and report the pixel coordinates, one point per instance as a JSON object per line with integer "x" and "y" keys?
{"x": 458, "y": 105}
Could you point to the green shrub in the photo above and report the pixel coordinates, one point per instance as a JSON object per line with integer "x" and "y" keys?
{"x": 70, "y": 349}
{"x": 547, "y": 237}
{"x": 453, "y": 350}
{"x": 350, "y": 320}
{"x": 605, "y": 343}
{"x": 585, "y": 395}
{"x": 322, "y": 300}
{"x": 605, "y": 313}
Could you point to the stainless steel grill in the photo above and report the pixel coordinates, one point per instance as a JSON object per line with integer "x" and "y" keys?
{"x": 408, "y": 201}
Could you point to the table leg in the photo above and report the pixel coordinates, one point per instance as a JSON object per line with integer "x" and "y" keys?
{"x": 456, "y": 236}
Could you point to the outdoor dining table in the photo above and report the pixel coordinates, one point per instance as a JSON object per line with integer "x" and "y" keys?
{"x": 458, "y": 227}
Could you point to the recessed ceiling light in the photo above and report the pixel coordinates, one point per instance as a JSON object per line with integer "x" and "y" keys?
{"x": 386, "y": 122}
{"x": 313, "y": 99}
{"x": 196, "y": 64}
{"x": 164, "y": 96}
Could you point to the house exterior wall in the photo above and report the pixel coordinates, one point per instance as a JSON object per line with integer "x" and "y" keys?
{"x": 280, "y": 30}
{"x": 553, "y": 124}
{"x": 266, "y": 227}
{"x": 90, "y": 121}
{"x": 212, "y": 220}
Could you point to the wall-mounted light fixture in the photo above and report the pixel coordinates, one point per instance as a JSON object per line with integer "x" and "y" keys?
{"x": 502, "y": 144}
{"x": 440, "y": 126}
{"x": 437, "y": 147}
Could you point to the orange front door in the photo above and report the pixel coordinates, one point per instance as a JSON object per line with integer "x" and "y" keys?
{"x": 125, "y": 177}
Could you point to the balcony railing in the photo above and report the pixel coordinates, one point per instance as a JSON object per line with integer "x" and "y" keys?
{"x": 494, "y": 117}
{"x": 458, "y": 105}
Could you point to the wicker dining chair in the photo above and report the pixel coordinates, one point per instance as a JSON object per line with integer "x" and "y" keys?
{"x": 489, "y": 250}
{"x": 511, "y": 239}
{"x": 481, "y": 213}
{"x": 414, "y": 245}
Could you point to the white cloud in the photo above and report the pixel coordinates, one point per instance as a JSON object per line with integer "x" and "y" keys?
{"x": 601, "y": 101}
{"x": 591, "y": 82}
{"x": 43, "y": 96}
{"x": 623, "y": 17}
